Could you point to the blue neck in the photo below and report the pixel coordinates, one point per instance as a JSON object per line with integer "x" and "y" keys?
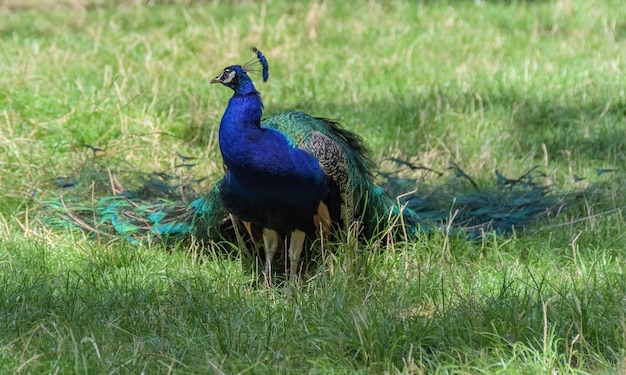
{"x": 240, "y": 127}
{"x": 243, "y": 115}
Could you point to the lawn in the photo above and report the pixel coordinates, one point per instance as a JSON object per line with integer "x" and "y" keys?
{"x": 487, "y": 85}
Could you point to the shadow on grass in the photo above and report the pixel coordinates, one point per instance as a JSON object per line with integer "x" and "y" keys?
{"x": 592, "y": 131}
{"x": 137, "y": 308}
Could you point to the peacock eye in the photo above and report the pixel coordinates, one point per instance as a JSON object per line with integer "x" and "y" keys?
{"x": 228, "y": 75}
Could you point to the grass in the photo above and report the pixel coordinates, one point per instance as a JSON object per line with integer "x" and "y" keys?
{"x": 502, "y": 85}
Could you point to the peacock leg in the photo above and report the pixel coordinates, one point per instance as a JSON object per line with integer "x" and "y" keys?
{"x": 271, "y": 239}
{"x": 295, "y": 250}
{"x": 322, "y": 220}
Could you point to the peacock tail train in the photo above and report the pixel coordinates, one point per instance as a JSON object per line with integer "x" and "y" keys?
{"x": 109, "y": 203}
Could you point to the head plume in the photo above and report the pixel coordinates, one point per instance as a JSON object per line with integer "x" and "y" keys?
{"x": 257, "y": 64}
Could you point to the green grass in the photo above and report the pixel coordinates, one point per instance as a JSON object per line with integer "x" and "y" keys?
{"x": 506, "y": 85}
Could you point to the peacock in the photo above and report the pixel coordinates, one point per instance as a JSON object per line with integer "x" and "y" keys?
{"x": 287, "y": 178}
{"x": 291, "y": 174}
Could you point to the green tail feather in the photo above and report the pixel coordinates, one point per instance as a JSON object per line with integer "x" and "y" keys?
{"x": 508, "y": 205}
{"x": 136, "y": 206}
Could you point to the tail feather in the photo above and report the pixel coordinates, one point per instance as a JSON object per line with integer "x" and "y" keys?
{"x": 113, "y": 203}
{"x": 510, "y": 204}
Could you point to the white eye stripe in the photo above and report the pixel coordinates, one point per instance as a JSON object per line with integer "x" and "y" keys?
{"x": 228, "y": 76}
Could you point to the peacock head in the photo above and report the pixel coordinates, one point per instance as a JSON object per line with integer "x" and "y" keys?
{"x": 232, "y": 77}
{"x": 236, "y": 76}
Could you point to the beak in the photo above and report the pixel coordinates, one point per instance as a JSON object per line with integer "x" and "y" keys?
{"x": 216, "y": 80}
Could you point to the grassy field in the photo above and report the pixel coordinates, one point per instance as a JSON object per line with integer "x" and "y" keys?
{"x": 488, "y": 85}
